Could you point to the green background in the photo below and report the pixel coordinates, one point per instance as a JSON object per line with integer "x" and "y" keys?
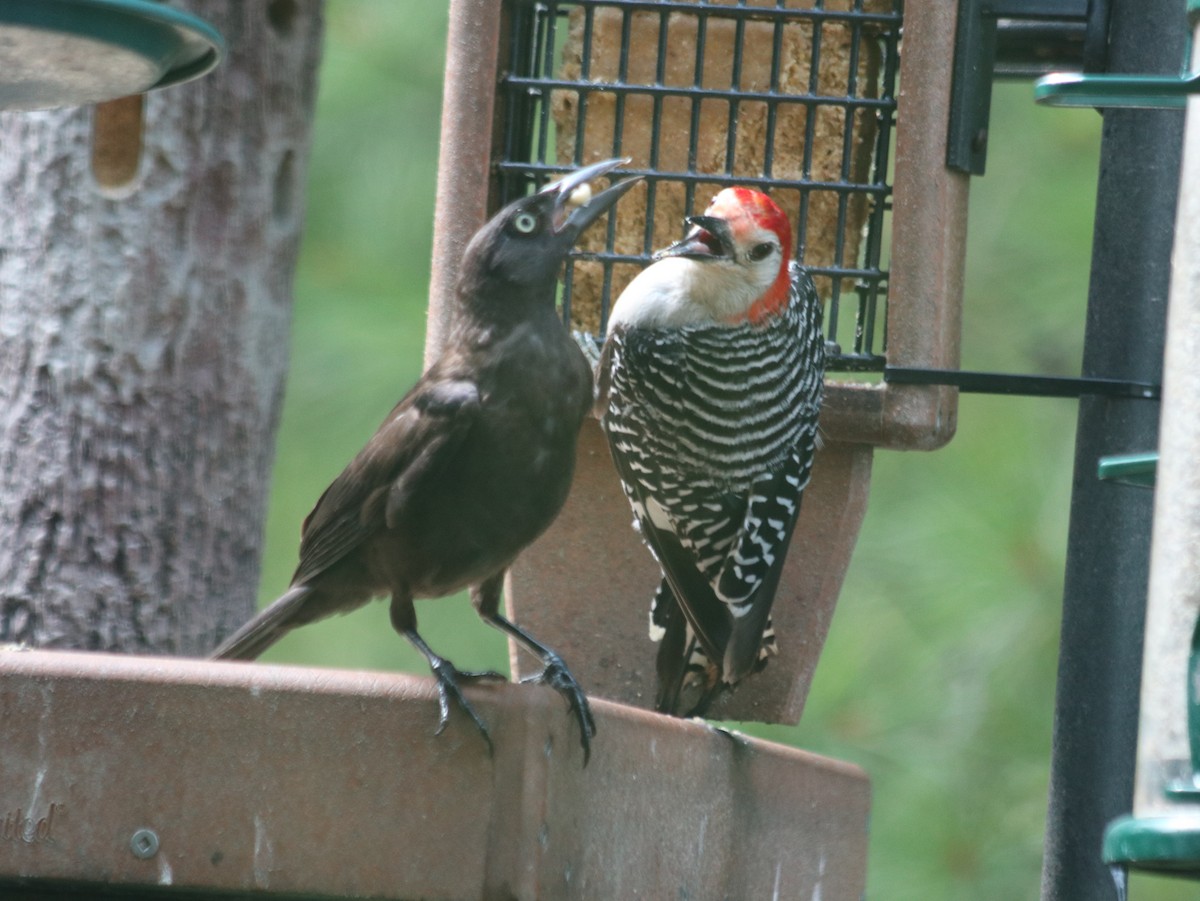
{"x": 938, "y": 675}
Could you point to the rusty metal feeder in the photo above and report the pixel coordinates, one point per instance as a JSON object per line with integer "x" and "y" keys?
{"x": 161, "y": 777}
{"x": 797, "y": 98}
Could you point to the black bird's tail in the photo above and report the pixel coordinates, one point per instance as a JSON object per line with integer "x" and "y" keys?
{"x": 270, "y": 625}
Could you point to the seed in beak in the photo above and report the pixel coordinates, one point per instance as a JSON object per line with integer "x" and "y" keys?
{"x": 580, "y": 196}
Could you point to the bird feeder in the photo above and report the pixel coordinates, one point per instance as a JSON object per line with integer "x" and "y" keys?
{"x": 796, "y": 98}
{"x": 1163, "y": 832}
{"x": 105, "y": 52}
{"x": 75, "y": 52}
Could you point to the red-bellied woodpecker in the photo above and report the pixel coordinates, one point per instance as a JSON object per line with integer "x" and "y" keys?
{"x": 710, "y": 386}
{"x": 473, "y": 463}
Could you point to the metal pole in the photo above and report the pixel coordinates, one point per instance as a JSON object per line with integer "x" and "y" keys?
{"x": 464, "y": 153}
{"x": 1095, "y": 720}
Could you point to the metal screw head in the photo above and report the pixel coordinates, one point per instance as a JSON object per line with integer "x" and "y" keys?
{"x": 144, "y": 843}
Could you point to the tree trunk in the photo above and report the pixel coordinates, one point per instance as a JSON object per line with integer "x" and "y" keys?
{"x": 144, "y": 341}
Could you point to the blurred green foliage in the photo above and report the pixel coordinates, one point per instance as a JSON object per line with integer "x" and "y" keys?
{"x": 938, "y": 675}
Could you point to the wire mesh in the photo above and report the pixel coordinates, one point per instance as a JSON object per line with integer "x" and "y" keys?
{"x": 795, "y": 97}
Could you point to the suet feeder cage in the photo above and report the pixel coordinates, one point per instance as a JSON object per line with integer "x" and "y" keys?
{"x": 816, "y": 103}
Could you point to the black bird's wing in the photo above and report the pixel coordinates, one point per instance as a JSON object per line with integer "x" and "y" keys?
{"x": 420, "y": 434}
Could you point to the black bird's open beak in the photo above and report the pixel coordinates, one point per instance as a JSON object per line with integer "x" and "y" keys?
{"x": 574, "y": 219}
{"x": 709, "y": 239}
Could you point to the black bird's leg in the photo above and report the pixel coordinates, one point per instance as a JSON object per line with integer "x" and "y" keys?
{"x": 448, "y": 676}
{"x": 486, "y": 598}
{"x": 444, "y": 671}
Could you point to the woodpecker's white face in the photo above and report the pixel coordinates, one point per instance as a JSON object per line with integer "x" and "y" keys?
{"x": 731, "y": 267}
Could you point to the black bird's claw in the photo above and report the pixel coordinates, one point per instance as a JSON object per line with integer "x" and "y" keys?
{"x": 558, "y": 677}
{"x": 447, "y": 679}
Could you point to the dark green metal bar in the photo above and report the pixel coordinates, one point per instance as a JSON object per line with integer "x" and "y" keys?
{"x": 1096, "y": 714}
{"x": 1110, "y": 90}
{"x": 983, "y": 51}
{"x": 1011, "y": 383}
{"x": 1130, "y": 469}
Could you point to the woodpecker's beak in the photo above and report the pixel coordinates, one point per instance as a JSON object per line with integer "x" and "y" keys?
{"x": 710, "y": 239}
{"x": 575, "y": 208}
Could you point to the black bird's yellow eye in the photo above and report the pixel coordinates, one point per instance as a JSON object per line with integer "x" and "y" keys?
{"x": 525, "y": 223}
{"x": 761, "y": 251}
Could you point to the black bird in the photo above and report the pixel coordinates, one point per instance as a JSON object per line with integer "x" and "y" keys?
{"x": 473, "y": 463}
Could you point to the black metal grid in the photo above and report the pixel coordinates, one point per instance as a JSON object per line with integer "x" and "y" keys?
{"x": 853, "y": 283}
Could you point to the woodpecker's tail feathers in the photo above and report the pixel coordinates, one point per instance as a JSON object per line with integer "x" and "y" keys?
{"x": 688, "y": 680}
{"x": 696, "y": 682}
{"x": 270, "y": 625}
{"x": 670, "y": 629}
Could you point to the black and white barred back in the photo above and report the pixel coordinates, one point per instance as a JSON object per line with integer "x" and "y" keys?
{"x": 713, "y": 430}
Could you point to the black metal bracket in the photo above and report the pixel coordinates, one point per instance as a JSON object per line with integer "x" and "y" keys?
{"x": 1030, "y": 385}
{"x": 1014, "y": 39}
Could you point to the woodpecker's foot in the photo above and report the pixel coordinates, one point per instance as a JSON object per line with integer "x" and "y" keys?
{"x": 448, "y": 678}
{"x": 558, "y": 677}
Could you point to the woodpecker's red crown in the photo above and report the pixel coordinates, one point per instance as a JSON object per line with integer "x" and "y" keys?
{"x": 749, "y": 213}
{"x": 747, "y": 210}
